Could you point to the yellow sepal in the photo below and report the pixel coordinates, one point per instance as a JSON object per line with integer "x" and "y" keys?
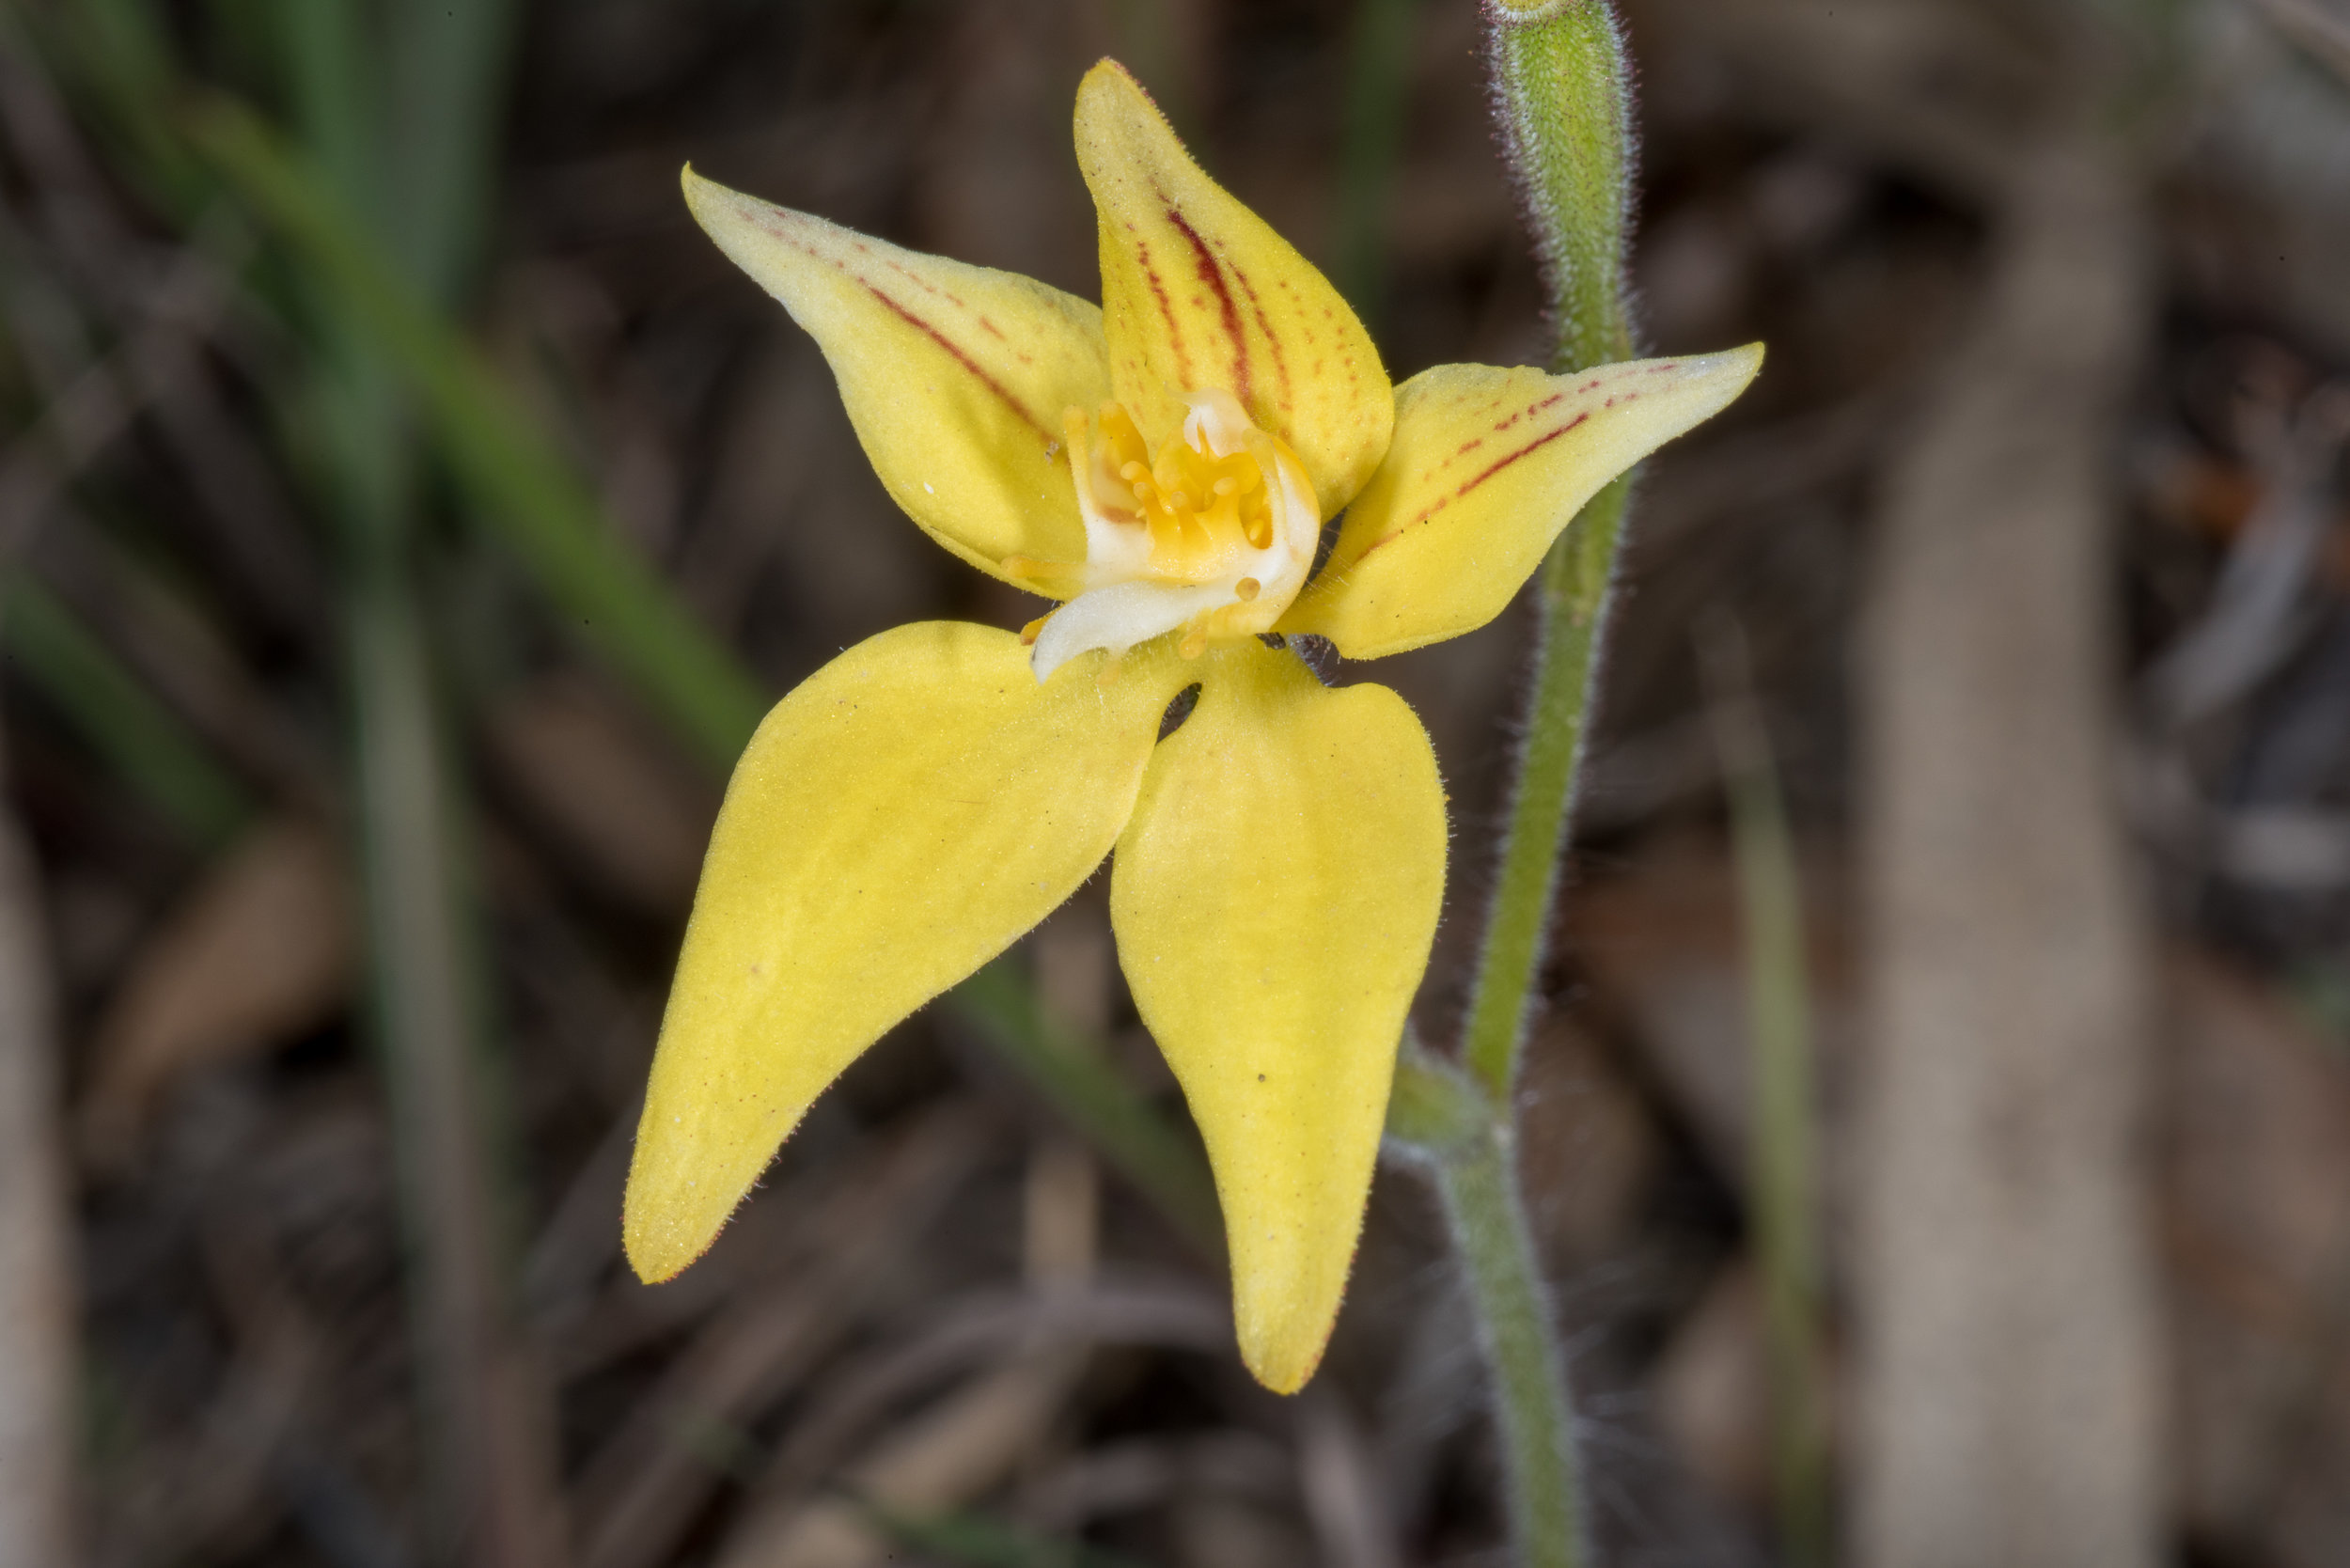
{"x": 1487, "y": 466}
{"x": 1199, "y": 293}
{"x": 1274, "y": 897}
{"x": 955, "y": 376}
{"x": 899, "y": 820}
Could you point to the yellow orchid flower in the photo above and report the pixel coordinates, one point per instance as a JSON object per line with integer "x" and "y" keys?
{"x": 1164, "y": 465}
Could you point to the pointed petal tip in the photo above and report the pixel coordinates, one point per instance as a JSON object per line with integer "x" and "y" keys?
{"x": 705, "y": 197}
{"x": 1284, "y": 1362}
{"x": 722, "y": 211}
{"x": 1746, "y": 361}
{"x": 657, "y": 1253}
{"x": 1109, "y": 96}
{"x": 1110, "y": 75}
{"x": 1716, "y": 380}
{"x": 1733, "y": 369}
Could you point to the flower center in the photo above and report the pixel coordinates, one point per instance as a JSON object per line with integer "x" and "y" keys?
{"x": 1213, "y": 536}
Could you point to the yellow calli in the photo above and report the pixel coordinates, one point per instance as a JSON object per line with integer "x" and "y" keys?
{"x": 1164, "y": 464}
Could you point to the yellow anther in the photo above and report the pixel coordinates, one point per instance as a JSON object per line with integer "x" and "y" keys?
{"x": 1195, "y": 641}
{"x": 1029, "y": 633}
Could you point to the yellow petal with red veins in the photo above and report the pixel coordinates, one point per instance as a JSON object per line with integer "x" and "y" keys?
{"x": 1274, "y": 897}
{"x": 899, "y": 820}
{"x": 955, "y": 376}
{"x": 1198, "y": 293}
{"x": 1487, "y": 466}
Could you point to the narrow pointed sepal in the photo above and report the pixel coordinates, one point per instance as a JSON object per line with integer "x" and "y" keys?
{"x": 955, "y": 377}
{"x": 1487, "y": 467}
{"x": 1274, "y": 897}
{"x": 898, "y": 821}
{"x": 1199, "y": 293}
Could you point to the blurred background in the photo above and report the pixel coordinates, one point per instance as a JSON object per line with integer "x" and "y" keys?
{"x": 404, "y": 512}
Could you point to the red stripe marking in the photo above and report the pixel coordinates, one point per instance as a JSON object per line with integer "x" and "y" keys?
{"x": 1466, "y": 449}
{"x": 786, "y": 232}
{"x": 1166, "y": 309}
{"x": 1385, "y": 540}
{"x": 1213, "y": 276}
{"x": 928, "y": 287}
{"x": 1467, "y": 485}
{"x": 1531, "y": 408}
{"x": 1537, "y": 443}
{"x": 1273, "y": 340}
{"x": 920, "y": 281}
{"x": 961, "y": 358}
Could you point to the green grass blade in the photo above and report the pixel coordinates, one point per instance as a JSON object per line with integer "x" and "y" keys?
{"x": 1075, "y": 1077}
{"x": 979, "y": 1541}
{"x": 521, "y": 488}
{"x": 448, "y": 68}
{"x": 144, "y": 741}
{"x": 115, "y": 58}
{"x": 327, "y": 51}
{"x": 1782, "y": 1182}
{"x": 1378, "y": 68}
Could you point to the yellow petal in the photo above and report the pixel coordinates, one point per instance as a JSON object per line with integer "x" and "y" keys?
{"x": 1487, "y": 466}
{"x": 1198, "y": 293}
{"x": 1275, "y": 898}
{"x": 898, "y": 821}
{"x": 955, "y": 376}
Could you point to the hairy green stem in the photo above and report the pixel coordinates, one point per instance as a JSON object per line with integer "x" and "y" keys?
{"x": 1442, "y": 1118}
{"x": 1572, "y": 603}
{"x": 1478, "y": 1184}
{"x": 1562, "y": 99}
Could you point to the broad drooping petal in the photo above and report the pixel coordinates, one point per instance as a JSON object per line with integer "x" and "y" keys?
{"x": 955, "y": 376}
{"x": 898, "y": 821}
{"x": 1275, "y": 898}
{"x": 1487, "y": 466}
{"x": 1198, "y": 293}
